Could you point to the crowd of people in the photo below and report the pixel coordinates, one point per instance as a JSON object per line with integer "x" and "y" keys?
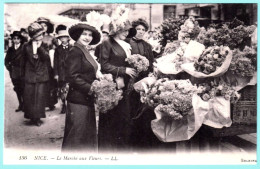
{"x": 40, "y": 80}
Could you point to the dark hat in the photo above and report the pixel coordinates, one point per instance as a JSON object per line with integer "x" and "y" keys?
{"x": 142, "y": 22}
{"x": 35, "y": 30}
{"x": 76, "y": 30}
{"x": 47, "y": 22}
{"x": 16, "y": 33}
{"x": 60, "y": 27}
{"x": 61, "y": 31}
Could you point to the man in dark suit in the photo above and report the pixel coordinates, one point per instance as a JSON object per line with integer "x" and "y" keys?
{"x": 60, "y": 55}
{"x": 13, "y": 63}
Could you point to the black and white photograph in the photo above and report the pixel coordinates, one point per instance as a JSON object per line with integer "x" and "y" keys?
{"x": 130, "y": 84}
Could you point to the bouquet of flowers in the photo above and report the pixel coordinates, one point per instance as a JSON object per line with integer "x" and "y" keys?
{"x": 233, "y": 34}
{"x": 106, "y": 94}
{"x": 208, "y": 37}
{"x": 240, "y": 36}
{"x": 177, "y": 93}
{"x": 139, "y": 62}
{"x": 170, "y": 29}
{"x": 171, "y": 47}
{"x": 190, "y": 29}
{"x": 214, "y": 89}
{"x": 243, "y": 62}
{"x": 174, "y": 101}
{"x": 214, "y": 61}
{"x": 210, "y": 59}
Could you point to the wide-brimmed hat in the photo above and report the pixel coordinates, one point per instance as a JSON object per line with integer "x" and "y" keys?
{"x": 16, "y": 33}
{"x": 47, "y": 22}
{"x": 76, "y": 30}
{"x": 35, "y": 30}
{"x": 61, "y": 31}
{"x": 114, "y": 29}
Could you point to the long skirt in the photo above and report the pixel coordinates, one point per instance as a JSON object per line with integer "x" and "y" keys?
{"x": 115, "y": 129}
{"x": 34, "y": 100}
{"x": 80, "y": 129}
{"x": 142, "y": 137}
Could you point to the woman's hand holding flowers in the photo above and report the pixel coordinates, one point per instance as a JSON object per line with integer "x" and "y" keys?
{"x": 131, "y": 72}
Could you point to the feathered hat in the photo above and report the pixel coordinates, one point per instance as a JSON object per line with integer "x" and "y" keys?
{"x": 119, "y": 21}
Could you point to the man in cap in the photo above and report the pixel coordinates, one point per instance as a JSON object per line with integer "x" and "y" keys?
{"x": 60, "y": 55}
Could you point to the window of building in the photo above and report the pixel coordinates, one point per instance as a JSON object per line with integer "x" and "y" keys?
{"x": 205, "y": 12}
{"x": 169, "y": 11}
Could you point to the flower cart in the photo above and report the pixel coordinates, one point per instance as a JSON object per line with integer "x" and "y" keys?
{"x": 213, "y": 70}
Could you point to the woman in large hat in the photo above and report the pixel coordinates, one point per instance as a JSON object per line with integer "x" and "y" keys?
{"x": 115, "y": 125}
{"x": 81, "y": 70}
{"x": 13, "y": 62}
{"x": 51, "y": 43}
{"x": 36, "y": 75}
{"x": 48, "y": 28}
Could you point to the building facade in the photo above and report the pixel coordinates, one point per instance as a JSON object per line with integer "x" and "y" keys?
{"x": 154, "y": 14}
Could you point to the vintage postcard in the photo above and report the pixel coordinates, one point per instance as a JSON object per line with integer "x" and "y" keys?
{"x": 116, "y": 83}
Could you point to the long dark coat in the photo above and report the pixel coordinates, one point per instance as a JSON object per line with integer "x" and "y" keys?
{"x": 142, "y": 134}
{"x": 36, "y": 76}
{"x": 115, "y": 125}
{"x": 14, "y": 64}
{"x": 14, "y": 61}
{"x": 80, "y": 128}
{"x": 60, "y": 56}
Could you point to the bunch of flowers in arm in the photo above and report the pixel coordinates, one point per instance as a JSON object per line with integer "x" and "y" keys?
{"x": 173, "y": 98}
{"x": 139, "y": 62}
{"x": 211, "y": 59}
{"x": 106, "y": 94}
{"x": 215, "y": 88}
{"x": 243, "y": 62}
